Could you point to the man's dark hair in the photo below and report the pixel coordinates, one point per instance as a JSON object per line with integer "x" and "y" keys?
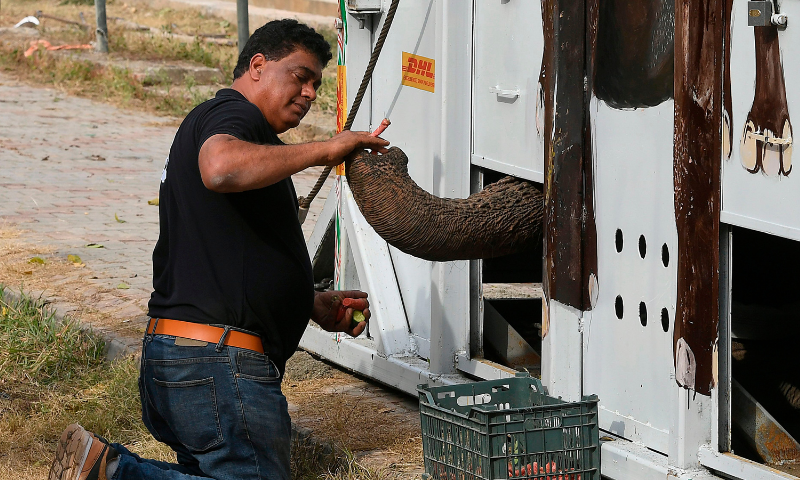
{"x": 280, "y": 38}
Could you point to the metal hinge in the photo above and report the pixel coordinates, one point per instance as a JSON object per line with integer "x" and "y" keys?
{"x": 770, "y": 140}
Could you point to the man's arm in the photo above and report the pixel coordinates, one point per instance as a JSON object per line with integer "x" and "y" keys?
{"x": 228, "y": 164}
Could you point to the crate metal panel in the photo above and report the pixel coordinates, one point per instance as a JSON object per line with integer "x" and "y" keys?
{"x": 416, "y": 128}
{"x": 507, "y": 112}
{"x": 633, "y": 195}
{"x": 416, "y": 295}
{"x": 758, "y": 201}
{"x": 359, "y": 47}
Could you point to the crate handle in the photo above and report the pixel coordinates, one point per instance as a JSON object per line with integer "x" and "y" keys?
{"x": 429, "y": 397}
{"x": 543, "y": 423}
{"x": 469, "y": 400}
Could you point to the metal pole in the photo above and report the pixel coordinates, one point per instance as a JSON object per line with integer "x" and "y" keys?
{"x": 242, "y": 22}
{"x": 102, "y": 29}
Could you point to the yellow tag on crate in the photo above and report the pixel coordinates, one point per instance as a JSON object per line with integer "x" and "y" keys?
{"x": 341, "y": 105}
{"x": 419, "y": 72}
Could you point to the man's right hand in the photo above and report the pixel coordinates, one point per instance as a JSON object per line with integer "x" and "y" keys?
{"x": 347, "y": 142}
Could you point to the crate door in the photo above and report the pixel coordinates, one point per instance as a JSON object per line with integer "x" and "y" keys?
{"x": 760, "y": 185}
{"x": 508, "y": 112}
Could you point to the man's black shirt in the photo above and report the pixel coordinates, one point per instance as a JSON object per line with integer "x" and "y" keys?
{"x": 235, "y": 259}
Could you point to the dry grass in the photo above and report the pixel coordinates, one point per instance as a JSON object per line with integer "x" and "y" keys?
{"x": 118, "y": 86}
{"x": 82, "y": 78}
{"x": 59, "y": 280}
{"x": 132, "y": 45}
{"x": 52, "y": 374}
{"x": 345, "y": 413}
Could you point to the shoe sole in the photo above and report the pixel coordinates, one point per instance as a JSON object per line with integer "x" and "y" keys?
{"x": 73, "y": 448}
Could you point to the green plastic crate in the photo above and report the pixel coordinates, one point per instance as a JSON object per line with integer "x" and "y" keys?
{"x": 497, "y": 429}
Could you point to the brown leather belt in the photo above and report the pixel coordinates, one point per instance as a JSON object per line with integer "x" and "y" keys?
{"x": 204, "y": 333}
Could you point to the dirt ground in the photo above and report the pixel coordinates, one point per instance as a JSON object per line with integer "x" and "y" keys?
{"x": 383, "y": 432}
{"x": 34, "y": 269}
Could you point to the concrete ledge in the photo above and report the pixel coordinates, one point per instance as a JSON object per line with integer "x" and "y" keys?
{"x": 115, "y": 347}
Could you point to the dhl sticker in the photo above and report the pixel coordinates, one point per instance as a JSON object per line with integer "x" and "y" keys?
{"x": 419, "y": 72}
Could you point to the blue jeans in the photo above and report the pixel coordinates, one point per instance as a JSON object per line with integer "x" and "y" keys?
{"x": 220, "y": 408}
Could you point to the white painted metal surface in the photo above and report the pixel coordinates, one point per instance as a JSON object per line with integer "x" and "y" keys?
{"x": 374, "y": 266}
{"x": 631, "y": 461}
{"x": 635, "y": 208}
{"x": 359, "y": 355}
{"x": 763, "y": 202}
{"x": 737, "y": 467}
{"x": 507, "y": 107}
{"x": 561, "y": 353}
{"x": 414, "y": 31}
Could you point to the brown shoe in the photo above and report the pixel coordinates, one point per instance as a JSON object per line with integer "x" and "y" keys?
{"x": 81, "y": 455}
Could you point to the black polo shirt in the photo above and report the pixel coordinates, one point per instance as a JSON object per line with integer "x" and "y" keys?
{"x": 234, "y": 259}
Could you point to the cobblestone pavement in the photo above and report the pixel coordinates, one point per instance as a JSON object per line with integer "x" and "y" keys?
{"x": 76, "y": 172}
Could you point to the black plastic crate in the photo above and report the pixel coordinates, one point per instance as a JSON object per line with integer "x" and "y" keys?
{"x": 507, "y": 429}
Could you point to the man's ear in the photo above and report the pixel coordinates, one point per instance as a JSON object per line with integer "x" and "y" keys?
{"x": 257, "y": 63}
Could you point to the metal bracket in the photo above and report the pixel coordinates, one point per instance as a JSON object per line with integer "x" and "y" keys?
{"x": 759, "y": 13}
{"x": 764, "y": 13}
{"x": 786, "y": 142}
{"x": 364, "y": 6}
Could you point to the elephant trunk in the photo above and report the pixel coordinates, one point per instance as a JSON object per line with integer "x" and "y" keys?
{"x": 503, "y": 218}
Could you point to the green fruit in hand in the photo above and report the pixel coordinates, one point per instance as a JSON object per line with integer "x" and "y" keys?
{"x": 358, "y": 317}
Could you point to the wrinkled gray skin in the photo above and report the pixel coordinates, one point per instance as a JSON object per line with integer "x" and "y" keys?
{"x": 504, "y": 218}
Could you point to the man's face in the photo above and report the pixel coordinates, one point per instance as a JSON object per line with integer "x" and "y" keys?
{"x": 286, "y": 88}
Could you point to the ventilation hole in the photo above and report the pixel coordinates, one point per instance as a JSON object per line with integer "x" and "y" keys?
{"x": 665, "y": 319}
{"x": 619, "y": 240}
{"x": 618, "y": 306}
{"x": 642, "y": 246}
{"x": 665, "y": 255}
{"x": 643, "y": 313}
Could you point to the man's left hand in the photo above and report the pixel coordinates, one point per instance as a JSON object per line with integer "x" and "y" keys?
{"x": 326, "y": 312}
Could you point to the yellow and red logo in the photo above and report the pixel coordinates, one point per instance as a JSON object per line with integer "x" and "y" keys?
{"x": 419, "y": 72}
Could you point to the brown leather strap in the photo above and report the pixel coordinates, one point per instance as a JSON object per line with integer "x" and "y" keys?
{"x": 204, "y": 333}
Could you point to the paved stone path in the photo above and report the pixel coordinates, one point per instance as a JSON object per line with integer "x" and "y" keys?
{"x": 69, "y": 167}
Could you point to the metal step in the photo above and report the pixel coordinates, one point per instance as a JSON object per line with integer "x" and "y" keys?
{"x": 512, "y": 291}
